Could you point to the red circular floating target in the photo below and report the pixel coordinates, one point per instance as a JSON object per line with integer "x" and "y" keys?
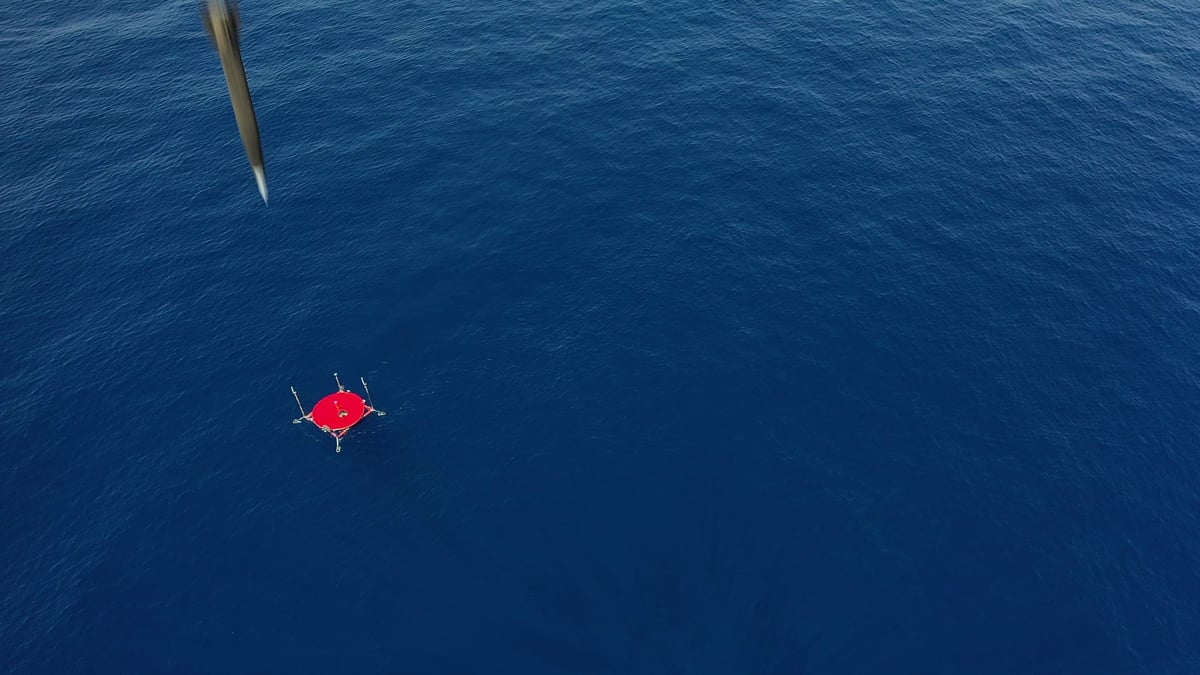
{"x": 340, "y": 410}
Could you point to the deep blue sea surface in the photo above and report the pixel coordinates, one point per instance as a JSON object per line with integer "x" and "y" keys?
{"x": 780, "y": 337}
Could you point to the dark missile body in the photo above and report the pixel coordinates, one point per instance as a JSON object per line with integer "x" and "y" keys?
{"x": 223, "y": 21}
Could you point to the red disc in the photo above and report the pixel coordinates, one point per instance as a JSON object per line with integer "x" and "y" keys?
{"x": 340, "y": 410}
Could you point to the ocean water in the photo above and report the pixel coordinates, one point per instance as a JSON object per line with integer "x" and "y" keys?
{"x": 822, "y": 337}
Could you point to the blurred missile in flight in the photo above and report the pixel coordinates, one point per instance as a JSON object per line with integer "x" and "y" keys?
{"x": 223, "y": 22}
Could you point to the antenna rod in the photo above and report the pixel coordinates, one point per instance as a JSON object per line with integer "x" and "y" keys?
{"x": 298, "y": 401}
{"x": 339, "y": 382}
{"x": 368, "y": 390}
{"x": 369, "y": 401}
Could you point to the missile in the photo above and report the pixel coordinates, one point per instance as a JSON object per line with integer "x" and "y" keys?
{"x": 223, "y": 22}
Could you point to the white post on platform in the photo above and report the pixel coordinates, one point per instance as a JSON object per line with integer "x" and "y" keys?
{"x": 366, "y": 389}
{"x": 302, "y": 413}
{"x": 369, "y": 401}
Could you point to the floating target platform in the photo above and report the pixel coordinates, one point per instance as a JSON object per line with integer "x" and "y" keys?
{"x": 338, "y": 412}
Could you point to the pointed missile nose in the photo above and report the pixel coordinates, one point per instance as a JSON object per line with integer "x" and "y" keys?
{"x": 260, "y": 177}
